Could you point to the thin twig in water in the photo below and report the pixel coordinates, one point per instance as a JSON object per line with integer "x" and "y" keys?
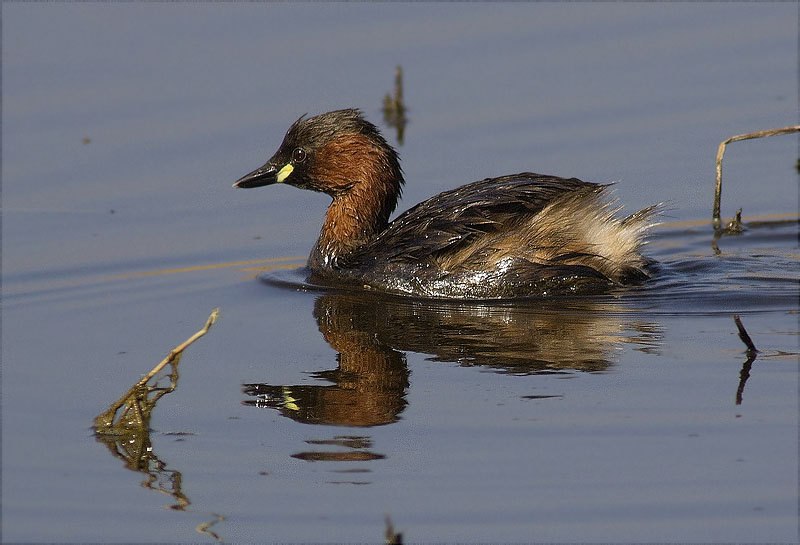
{"x": 181, "y": 347}
{"x": 744, "y": 374}
{"x": 392, "y": 537}
{"x": 743, "y": 334}
{"x": 721, "y": 152}
{"x": 174, "y": 353}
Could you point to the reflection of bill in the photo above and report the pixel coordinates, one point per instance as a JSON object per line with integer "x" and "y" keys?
{"x": 368, "y": 387}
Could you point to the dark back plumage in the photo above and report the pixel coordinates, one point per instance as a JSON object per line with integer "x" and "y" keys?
{"x": 455, "y": 218}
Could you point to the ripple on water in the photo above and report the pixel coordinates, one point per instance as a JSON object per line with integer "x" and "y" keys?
{"x": 756, "y": 270}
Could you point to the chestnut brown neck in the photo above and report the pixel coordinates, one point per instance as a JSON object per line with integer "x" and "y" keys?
{"x": 364, "y": 179}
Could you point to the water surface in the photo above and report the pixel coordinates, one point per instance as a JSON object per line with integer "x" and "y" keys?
{"x": 307, "y": 415}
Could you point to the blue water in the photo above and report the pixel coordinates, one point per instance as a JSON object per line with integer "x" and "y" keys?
{"x": 307, "y": 415}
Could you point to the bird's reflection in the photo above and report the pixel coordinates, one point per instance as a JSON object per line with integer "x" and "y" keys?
{"x": 370, "y": 333}
{"x": 368, "y": 385}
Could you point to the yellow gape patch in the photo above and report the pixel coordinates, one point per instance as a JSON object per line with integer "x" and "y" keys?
{"x": 288, "y": 400}
{"x": 284, "y": 172}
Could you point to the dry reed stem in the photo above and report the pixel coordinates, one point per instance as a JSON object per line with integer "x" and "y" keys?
{"x": 175, "y": 352}
{"x": 721, "y": 152}
{"x": 744, "y": 335}
{"x": 180, "y": 348}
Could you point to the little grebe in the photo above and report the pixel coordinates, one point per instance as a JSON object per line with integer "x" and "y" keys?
{"x": 513, "y": 236}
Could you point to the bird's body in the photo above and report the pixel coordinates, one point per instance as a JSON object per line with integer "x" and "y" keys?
{"x": 513, "y": 236}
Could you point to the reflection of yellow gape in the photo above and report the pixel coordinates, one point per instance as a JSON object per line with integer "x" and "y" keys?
{"x": 370, "y": 331}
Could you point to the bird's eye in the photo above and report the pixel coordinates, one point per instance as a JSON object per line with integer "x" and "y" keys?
{"x": 298, "y": 155}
